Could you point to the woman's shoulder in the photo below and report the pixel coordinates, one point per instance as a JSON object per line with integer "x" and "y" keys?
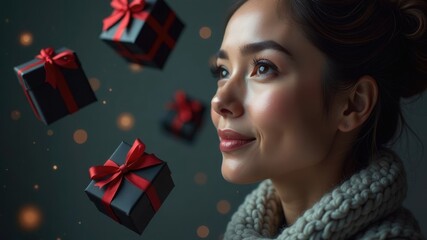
{"x": 401, "y": 224}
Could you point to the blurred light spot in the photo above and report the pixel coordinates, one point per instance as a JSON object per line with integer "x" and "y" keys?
{"x": 29, "y": 217}
{"x": 79, "y": 222}
{"x": 7, "y": 20}
{"x": 80, "y": 136}
{"x": 94, "y": 83}
{"x": 223, "y": 206}
{"x": 200, "y": 178}
{"x": 205, "y": 32}
{"x": 34, "y": 142}
{"x": 58, "y": 238}
{"x": 48, "y": 149}
{"x": 125, "y": 121}
{"x": 36, "y": 187}
{"x": 110, "y": 89}
{"x": 203, "y": 231}
{"x": 104, "y": 102}
{"x": 55, "y": 167}
{"x": 26, "y": 39}
{"x": 15, "y": 115}
{"x": 50, "y": 132}
{"x": 134, "y": 67}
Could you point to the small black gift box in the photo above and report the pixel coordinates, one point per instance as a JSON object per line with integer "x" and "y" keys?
{"x": 55, "y": 84}
{"x": 184, "y": 116}
{"x": 142, "y": 31}
{"x": 131, "y": 186}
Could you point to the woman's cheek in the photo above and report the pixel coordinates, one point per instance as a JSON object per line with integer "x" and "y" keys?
{"x": 272, "y": 109}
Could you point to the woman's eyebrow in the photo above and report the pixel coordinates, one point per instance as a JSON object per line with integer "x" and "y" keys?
{"x": 221, "y": 54}
{"x": 252, "y": 48}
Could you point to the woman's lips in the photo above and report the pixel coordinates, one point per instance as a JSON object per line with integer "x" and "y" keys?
{"x": 231, "y": 140}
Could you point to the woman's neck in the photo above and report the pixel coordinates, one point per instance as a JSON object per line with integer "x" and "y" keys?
{"x": 304, "y": 188}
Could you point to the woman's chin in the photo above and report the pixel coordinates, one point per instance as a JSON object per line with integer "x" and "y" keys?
{"x": 236, "y": 175}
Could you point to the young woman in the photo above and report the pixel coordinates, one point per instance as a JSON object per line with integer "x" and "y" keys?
{"x": 308, "y": 101}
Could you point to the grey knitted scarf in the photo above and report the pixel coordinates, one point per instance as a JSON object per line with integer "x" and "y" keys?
{"x": 366, "y": 206}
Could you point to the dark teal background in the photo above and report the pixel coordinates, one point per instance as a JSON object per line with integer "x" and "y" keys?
{"x": 67, "y": 212}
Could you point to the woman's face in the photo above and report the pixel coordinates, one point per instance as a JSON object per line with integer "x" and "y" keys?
{"x": 268, "y": 108}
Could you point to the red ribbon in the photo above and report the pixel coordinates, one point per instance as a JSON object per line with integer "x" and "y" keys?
{"x": 185, "y": 110}
{"x": 111, "y": 175}
{"x": 54, "y": 76}
{"x": 124, "y": 11}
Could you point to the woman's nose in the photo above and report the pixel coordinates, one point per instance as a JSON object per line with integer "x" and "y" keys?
{"x": 227, "y": 101}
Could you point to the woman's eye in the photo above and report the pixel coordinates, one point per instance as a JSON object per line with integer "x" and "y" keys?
{"x": 219, "y": 72}
{"x": 223, "y": 72}
{"x": 263, "y": 67}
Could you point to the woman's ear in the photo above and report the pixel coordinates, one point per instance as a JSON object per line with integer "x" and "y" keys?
{"x": 359, "y": 102}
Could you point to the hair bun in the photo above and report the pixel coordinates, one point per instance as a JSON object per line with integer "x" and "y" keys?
{"x": 414, "y": 21}
{"x": 414, "y": 28}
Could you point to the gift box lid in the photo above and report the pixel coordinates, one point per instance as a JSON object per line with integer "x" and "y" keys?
{"x": 34, "y": 74}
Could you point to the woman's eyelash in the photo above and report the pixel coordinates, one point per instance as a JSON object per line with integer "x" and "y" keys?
{"x": 258, "y": 61}
{"x": 215, "y": 70}
{"x": 218, "y": 71}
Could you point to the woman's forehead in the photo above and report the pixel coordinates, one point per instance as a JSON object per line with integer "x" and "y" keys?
{"x": 257, "y": 21}
{"x": 261, "y": 21}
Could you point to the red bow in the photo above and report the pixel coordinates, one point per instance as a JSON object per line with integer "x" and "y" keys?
{"x": 111, "y": 175}
{"x": 51, "y": 61}
{"x": 124, "y": 11}
{"x": 185, "y": 109}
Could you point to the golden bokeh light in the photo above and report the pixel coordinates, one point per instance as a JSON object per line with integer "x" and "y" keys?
{"x": 95, "y": 84}
{"x": 55, "y": 167}
{"x": 223, "y": 206}
{"x": 50, "y": 132}
{"x": 36, "y": 187}
{"x": 125, "y": 121}
{"x": 29, "y": 217}
{"x": 205, "y": 32}
{"x": 80, "y": 136}
{"x": 26, "y": 39}
{"x": 203, "y": 231}
{"x": 200, "y": 178}
{"x": 15, "y": 115}
{"x": 136, "y": 68}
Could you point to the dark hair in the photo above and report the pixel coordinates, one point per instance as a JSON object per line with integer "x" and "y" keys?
{"x": 385, "y": 39}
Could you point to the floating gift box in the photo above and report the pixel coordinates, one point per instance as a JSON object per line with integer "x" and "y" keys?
{"x": 143, "y": 32}
{"x": 55, "y": 84}
{"x": 131, "y": 186}
{"x": 184, "y": 116}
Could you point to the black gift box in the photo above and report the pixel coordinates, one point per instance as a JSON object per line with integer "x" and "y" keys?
{"x": 187, "y": 129}
{"x": 139, "y": 38}
{"x": 131, "y": 205}
{"x": 47, "y": 102}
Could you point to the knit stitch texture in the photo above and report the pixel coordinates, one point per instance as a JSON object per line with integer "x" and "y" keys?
{"x": 366, "y": 206}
